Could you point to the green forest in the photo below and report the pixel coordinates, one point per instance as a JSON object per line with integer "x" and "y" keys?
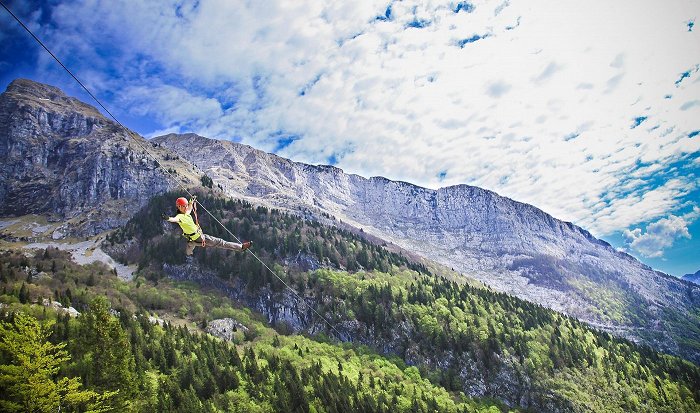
{"x": 112, "y": 357}
{"x": 410, "y": 339}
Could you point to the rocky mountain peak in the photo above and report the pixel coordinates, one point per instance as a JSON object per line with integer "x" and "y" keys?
{"x": 62, "y": 157}
{"x": 51, "y": 98}
{"x": 27, "y": 88}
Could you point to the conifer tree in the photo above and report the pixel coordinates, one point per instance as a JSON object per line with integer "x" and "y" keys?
{"x": 29, "y": 372}
{"x": 111, "y": 362}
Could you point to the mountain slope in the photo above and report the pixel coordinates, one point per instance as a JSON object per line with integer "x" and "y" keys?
{"x": 513, "y": 247}
{"x": 468, "y": 339}
{"x": 523, "y": 356}
{"x": 62, "y": 157}
{"x": 694, "y": 278}
{"x": 167, "y": 367}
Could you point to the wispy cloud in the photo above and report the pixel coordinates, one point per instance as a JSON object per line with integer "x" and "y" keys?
{"x": 690, "y": 104}
{"x": 497, "y": 89}
{"x": 174, "y": 107}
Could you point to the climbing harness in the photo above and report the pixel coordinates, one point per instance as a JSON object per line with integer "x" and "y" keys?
{"x": 196, "y": 221}
{"x": 168, "y": 173}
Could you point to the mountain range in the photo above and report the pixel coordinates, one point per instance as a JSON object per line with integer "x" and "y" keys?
{"x": 63, "y": 159}
{"x": 510, "y": 246}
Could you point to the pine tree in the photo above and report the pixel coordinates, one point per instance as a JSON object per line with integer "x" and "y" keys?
{"x": 105, "y": 344}
{"x": 23, "y": 294}
{"x": 29, "y": 378}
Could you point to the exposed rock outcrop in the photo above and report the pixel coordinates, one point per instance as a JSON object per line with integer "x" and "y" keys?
{"x": 225, "y": 328}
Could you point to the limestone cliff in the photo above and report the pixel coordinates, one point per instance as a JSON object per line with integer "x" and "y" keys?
{"x": 61, "y": 157}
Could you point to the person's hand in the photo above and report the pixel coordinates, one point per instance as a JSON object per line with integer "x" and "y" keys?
{"x": 165, "y": 217}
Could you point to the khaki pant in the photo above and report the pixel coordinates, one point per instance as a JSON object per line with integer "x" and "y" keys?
{"x": 211, "y": 241}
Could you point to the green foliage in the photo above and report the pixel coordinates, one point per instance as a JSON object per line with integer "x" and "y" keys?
{"x": 166, "y": 368}
{"x": 29, "y": 371}
{"x": 108, "y": 362}
{"x": 207, "y": 182}
{"x": 557, "y": 359}
{"x": 199, "y": 373}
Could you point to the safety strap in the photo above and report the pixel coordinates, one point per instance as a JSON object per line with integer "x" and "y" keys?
{"x": 196, "y": 221}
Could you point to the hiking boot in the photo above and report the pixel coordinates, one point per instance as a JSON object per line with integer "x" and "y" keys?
{"x": 246, "y": 245}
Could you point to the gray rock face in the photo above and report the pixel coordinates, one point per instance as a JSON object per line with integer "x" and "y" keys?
{"x": 511, "y": 246}
{"x": 225, "y": 328}
{"x": 62, "y": 157}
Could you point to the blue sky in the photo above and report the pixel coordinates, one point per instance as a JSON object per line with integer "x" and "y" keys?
{"x": 587, "y": 110}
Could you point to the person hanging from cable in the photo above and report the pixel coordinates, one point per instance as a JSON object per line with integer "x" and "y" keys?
{"x": 192, "y": 231}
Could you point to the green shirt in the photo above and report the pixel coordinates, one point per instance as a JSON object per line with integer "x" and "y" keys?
{"x": 189, "y": 228}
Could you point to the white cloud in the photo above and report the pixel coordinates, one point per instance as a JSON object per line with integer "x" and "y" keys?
{"x": 538, "y": 109}
{"x": 173, "y": 106}
{"x": 623, "y": 209}
{"x": 659, "y": 236}
{"x": 690, "y": 104}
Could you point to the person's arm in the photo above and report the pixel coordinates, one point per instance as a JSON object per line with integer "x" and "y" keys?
{"x": 190, "y": 205}
{"x": 174, "y": 219}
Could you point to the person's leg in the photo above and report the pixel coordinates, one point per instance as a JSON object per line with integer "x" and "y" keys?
{"x": 189, "y": 249}
{"x": 211, "y": 241}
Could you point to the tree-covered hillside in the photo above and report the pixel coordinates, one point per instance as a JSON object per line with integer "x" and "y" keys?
{"x": 418, "y": 342}
{"x": 119, "y": 360}
{"x": 463, "y": 338}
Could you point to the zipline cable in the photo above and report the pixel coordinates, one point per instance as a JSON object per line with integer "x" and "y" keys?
{"x": 177, "y": 181}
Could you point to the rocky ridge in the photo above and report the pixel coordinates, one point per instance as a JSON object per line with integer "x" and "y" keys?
{"x": 62, "y": 158}
{"x": 510, "y": 246}
{"x": 694, "y": 278}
